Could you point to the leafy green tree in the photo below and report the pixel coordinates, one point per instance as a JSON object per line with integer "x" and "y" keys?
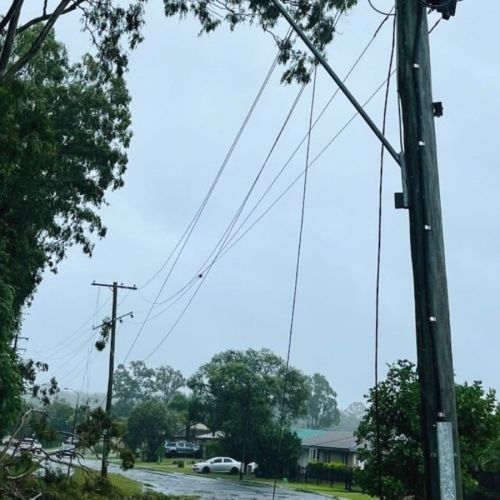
{"x": 126, "y": 392}
{"x": 322, "y": 411}
{"x": 167, "y": 382}
{"x": 148, "y": 427}
{"x": 140, "y": 383}
{"x": 187, "y": 410}
{"x": 393, "y": 458}
{"x": 478, "y": 428}
{"x": 241, "y": 394}
{"x": 394, "y": 461}
{"x": 277, "y": 452}
{"x": 64, "y": 129}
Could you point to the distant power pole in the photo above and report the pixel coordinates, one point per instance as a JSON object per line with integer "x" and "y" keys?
{"x": 109, "y": 395}
{"x": 435, "y": 366}
{"x": 16, "y": 341}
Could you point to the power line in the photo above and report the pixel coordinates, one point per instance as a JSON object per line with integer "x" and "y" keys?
{"x": 327, "y": 146}
{"x": 227, "y": 232}
{"x": 379, "y": 254}
{"x": 190, "y": 228}
{"x": 296, "y": 279}
{"x": 229, "y": 244}
{"x": 191, "y": 282}
{"x": 378, "y": 11}
{"x": 227, "y": 235}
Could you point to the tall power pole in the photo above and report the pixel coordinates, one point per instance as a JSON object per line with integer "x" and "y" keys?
{"x": 435, "y": 367}
{"x": 421, "y": 196}
{"x": 109, "y": 395}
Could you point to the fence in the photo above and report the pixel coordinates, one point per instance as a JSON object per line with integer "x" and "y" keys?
{"x": 489, "y": 480}
{"x": 321, "y": 475}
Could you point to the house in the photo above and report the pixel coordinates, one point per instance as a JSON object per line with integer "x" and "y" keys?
{"x": 195, "y": 430}
{"x": 327, "y": 446}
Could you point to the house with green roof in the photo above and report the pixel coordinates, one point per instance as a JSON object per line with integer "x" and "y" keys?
{"x": 327, "y": 447}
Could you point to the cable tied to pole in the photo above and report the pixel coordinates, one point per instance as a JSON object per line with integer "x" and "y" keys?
{"x": 378, "y": 272}
{"x": 295, "y": 288}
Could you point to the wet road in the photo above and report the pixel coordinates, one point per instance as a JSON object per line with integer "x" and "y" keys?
{"x": 206, "y": 488}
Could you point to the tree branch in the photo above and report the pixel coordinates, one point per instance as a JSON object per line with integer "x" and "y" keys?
{"x": 11, "y": 33}
{"x": 5, "y": 19}
{"x": 24, "y": 59}
{"x": 46, "y": 16}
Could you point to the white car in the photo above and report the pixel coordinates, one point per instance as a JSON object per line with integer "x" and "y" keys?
{"x": 30, "y": 444}
{"x": 218, "y": 464}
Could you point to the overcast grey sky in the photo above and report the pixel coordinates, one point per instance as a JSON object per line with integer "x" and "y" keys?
{"x": 190, "y": 95}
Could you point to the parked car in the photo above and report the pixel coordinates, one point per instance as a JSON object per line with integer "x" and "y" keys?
{"x": 30, "y": 444}
{"x": 182, "y": 449}
{"x": 66, "y": 450}
{"x": 218, "y": 464}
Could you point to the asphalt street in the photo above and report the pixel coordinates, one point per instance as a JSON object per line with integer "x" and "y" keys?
{"x": 205, "y": 487}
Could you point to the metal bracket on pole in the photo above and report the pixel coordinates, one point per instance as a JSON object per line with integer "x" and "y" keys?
{"x": 319, "y": 57}
{"x": 401, "y": 199}
{"x": 446, "y": 460}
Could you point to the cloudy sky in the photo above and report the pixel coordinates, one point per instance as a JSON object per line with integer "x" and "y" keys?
{"x": 190, "y": 95}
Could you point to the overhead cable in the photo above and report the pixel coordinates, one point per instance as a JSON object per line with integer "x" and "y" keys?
{"x": 296, "y": 281}
{"x": 220, "y": 245}
{"x": 191, "y": 282}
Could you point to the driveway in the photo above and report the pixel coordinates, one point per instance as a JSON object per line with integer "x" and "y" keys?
{"x": 204, "y": 487}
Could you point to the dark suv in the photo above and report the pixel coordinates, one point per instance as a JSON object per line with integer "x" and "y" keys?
{"x": 182, "y": 449}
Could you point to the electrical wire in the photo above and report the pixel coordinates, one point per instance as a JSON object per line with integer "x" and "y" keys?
{"x": 226, "y": 237}
{"x": 296, "y": 281}
{"x": 378, "y": 11}
{"x": 227, "y": 233}
{"x": 191, "y": 282}
{"x": 379, "y": 255}
{"x": 435, "y": 25}
{"x": 230, "y": 243}
{"x": 191, "y": 226}
{"x": 189, "y": 230}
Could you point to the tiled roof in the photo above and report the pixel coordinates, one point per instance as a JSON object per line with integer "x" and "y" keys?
{"x": 304, "y": 433}
{"x": 343, "y": 440}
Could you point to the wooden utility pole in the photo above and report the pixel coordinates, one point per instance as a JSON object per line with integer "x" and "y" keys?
{"x": 421, "y": 196}
{"x": 435, "y": 367}
{"x": 109, "y": 395}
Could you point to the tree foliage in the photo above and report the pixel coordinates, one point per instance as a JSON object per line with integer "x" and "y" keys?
{"x": 350, "y": 417}
{"x": 322, "y": 411}
{"x": 116, "y": 27}
{"x": 241, "y": 395}
{"x": 148, "y": 427}
{"x": 397, "y": 454}
{"x": 316, "y": 18}
{"x": 139, "y": 384}
{"x": 64, "y": 129}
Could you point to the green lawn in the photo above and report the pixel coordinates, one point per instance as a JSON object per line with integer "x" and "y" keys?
{"x": 125, "y": 486}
